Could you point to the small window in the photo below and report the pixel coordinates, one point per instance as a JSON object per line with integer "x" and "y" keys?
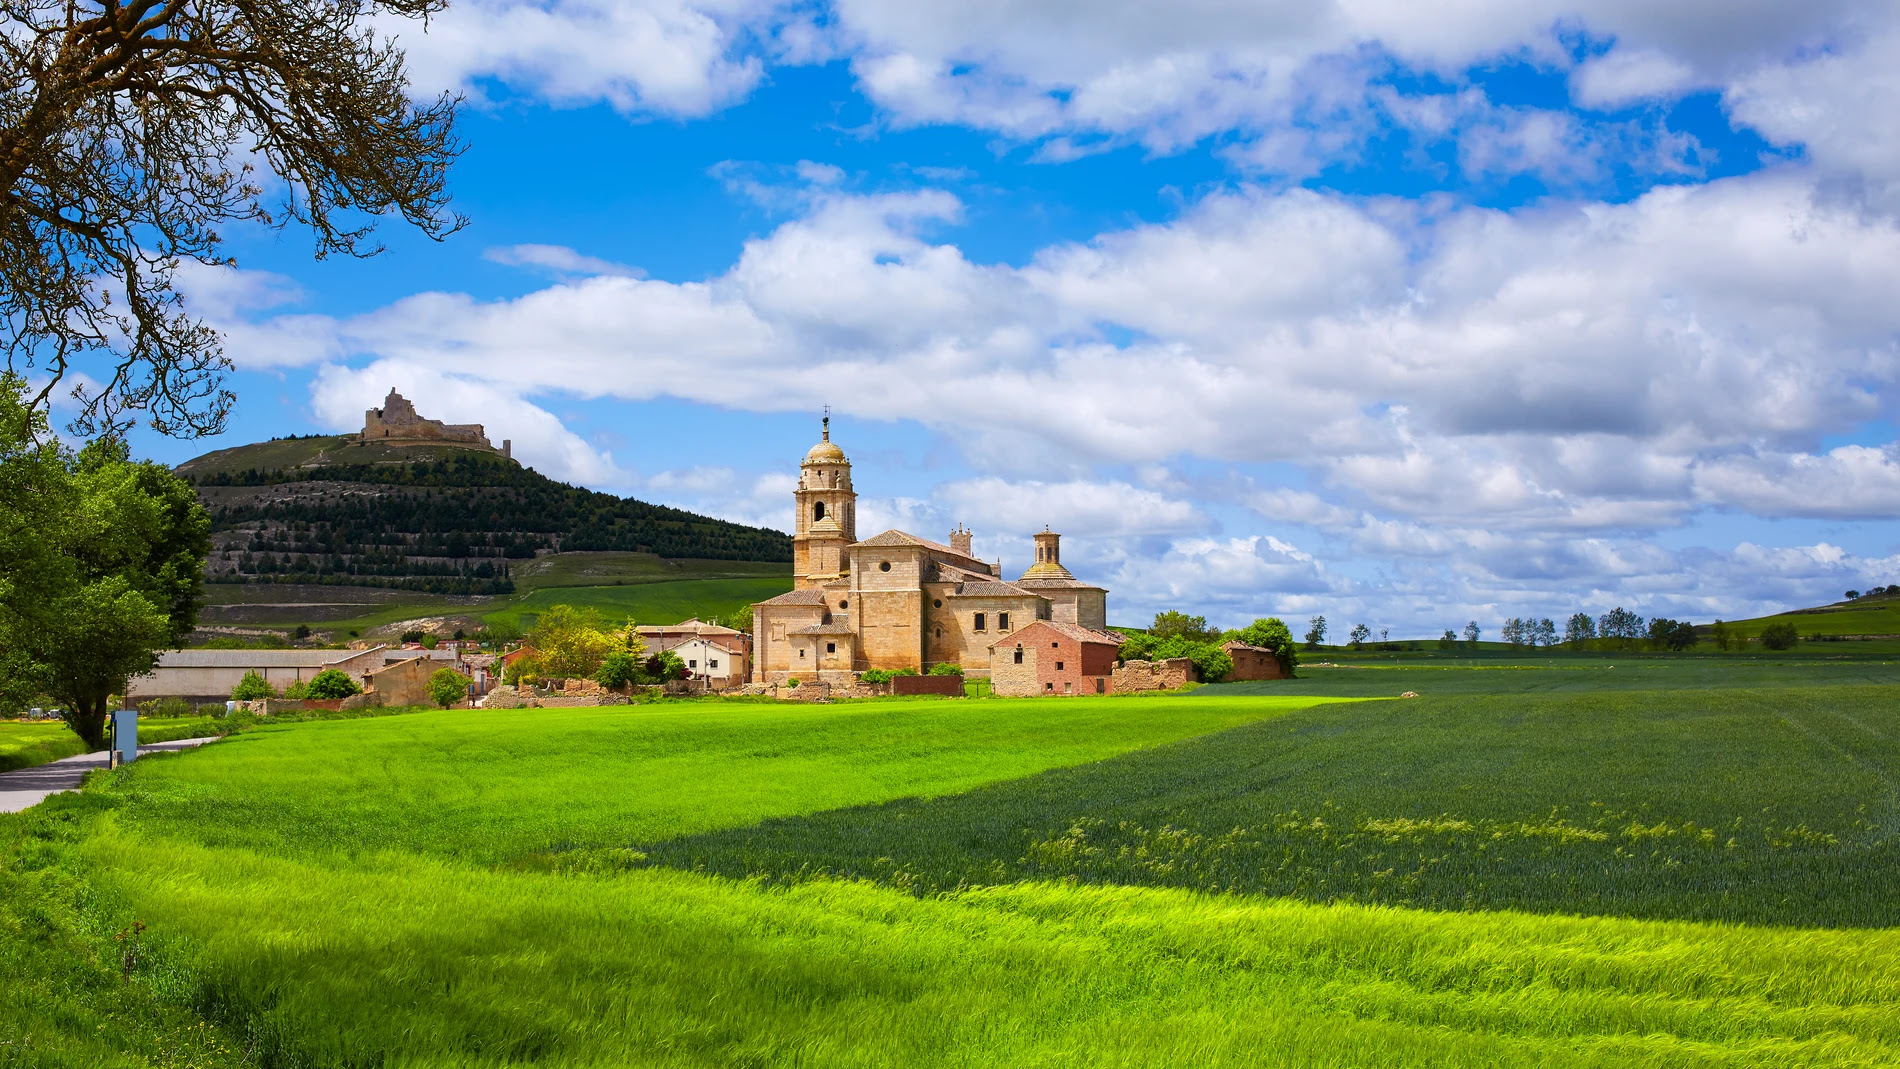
{"x": 1055, "y": 645}
{"x": 817, "y": 511}
{"x": 692, "y": 664}
{"x": 1002, "y": 621}
{"x": 1068, "y": 688}
{"x": 844, "y": 604}
{"x": 883, "y": 566}
{"x": 831, "y": 647}
{"x": 936, "y": 603}
{"x": 1058, "y": 666}
{"x": 801, "y": 653}
{"x": 980, "y": 618}
{"x": 1019, "y": 655}
{"x": 712, "y": 662}
{"x": 940, "y": 632}
{"x": 1049, "y": 686}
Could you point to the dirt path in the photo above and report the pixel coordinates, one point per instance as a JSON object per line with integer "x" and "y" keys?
{"x": 29, "y": 786}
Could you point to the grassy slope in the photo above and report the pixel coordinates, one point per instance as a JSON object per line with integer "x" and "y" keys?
{"x": 302, "y": 901}
{"x": 651, "y": 603}
{"x": 293, "y": 453}
{"x": 1864, "y": 616}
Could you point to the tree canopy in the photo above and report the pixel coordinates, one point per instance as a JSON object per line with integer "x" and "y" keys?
{"x": 101, "y": 560}
{"x": 131, "y": 130}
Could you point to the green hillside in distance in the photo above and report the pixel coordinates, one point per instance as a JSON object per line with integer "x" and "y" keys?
{"x": 442, "y": 519}
{"x": 1870, "y": 617}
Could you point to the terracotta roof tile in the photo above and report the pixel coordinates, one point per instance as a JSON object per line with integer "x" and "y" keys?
{"x": 805, "y": 596}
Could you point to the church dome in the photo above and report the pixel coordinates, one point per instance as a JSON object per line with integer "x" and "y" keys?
{"x": 826, "y": 451}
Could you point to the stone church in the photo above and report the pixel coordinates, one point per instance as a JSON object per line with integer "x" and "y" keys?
{"x": 895, "y": 600}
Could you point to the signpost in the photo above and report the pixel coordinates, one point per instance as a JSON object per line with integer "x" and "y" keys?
{"x": 125, "y": 736}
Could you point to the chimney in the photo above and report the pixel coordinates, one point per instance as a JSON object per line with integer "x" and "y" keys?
{"x": 960, "y": 540}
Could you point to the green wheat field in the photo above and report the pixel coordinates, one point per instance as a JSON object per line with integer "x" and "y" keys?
{"x": 1664, "y": 863}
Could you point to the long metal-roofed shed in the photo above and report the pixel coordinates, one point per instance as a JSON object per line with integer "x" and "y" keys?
{"x": 210, "y": 675}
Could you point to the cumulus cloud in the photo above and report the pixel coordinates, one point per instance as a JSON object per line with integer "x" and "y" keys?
{"x": 1626, "y": 75}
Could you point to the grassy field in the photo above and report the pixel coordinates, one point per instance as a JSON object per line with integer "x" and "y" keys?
{"x": 24, "y": 744}
{"x": 611, "y": 569}
{"x": 1512, "y": 870}
{"x": 1877, "y": 615}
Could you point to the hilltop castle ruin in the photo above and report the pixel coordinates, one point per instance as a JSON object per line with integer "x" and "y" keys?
{"x": 397, "y": 424}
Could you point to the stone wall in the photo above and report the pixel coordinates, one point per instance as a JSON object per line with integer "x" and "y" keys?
{"x": 1171, "y": 674}
{"x": 888, "y": 606}
{"x": 950, "y": 633}
{"x": 908, "y": 685}
{"x": 404, "y": 682}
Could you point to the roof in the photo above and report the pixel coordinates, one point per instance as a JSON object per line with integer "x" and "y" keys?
{"x": 991, "y": 589}
{"x": 684, "y": 627}
{"x": 1039, "y": 582}
{"x": 804, "y": 596}
{"x": 1067, "y": 630}
{"x": 1236, "y": 644}
{"x": 825, "y": 629}
{"x": 905, "y": 538}
{"x": 255, "y": 658}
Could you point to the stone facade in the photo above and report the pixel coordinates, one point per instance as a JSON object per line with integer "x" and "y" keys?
{"x": 398, "y": 423}
{"x": 1253, "y": 662}
{"x": 895, "y": 600}
{"x": 404, "y": 682}
{"x": 1171, "y": 674}
{"x": 1051, "y": 657}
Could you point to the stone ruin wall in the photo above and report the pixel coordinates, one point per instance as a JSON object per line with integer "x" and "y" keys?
{"x": 1171, "y": 674}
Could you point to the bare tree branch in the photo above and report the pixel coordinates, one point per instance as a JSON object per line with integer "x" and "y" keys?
{"x": 131, "y": 129}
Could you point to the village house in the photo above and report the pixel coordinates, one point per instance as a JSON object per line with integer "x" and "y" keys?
{"x": 895, "y": 600}
{"x": 1050, "y": 657}
{"x": 719, "y": 655}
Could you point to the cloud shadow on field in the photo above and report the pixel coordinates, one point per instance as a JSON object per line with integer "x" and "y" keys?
{"x": 1756, "y": 806}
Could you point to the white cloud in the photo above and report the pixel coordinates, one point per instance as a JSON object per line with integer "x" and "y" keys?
{"x": 666, "y": 57}
{"x": 558, "y": 260}
{"x": 1084, "y": 508}
{"x": 1851, "y": 482}
{"x": 229, "y": 299}
{"x": 1626, "y": 75}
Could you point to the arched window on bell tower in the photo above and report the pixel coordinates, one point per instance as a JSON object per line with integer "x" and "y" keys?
{"x": 818, "y": 511}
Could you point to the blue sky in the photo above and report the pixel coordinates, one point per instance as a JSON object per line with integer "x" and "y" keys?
{"x": 1402, "y": 317}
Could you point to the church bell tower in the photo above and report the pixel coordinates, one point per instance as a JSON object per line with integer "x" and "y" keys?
{"x": 827, "y": 514}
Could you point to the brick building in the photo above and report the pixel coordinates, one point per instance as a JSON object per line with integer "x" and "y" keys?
{"x": 1052, "y": 657}
{"x": 895, "y": 600}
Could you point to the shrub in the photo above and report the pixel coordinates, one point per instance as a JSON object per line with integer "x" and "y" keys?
{"x": 793, "y": 682}
{"x": 447, "y": 686}
{"x": 876, "y": 675}
{"x": 946, "y": 669}
{"x": 303, "y": 631}
{"x": 522, "y": 671}
{"x": 331, "y": 683}
{"x": 297, "y": 688}
{"x": 167, "y": 707}
{"x": 619, "y": 669}
{"x": 428, "y": 641}
{"x": 412, "y": 636}
{"x": 1780, "y": 636}
{"x": 251, "y": 688}
{"x": 904, "y": 672}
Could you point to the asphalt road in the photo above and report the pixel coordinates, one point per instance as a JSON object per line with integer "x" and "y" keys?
{"x": 30, "y": 786}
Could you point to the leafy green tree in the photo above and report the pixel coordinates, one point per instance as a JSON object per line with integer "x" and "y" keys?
{"x": 1357, "y": 637}
{"x": 1720, "y": 634}
{"x": 252, "y": 687}
{"x": 1137, "y": 647}
{"x": 664, "y": 666}
{"x": 1269, "y": 633}
{"x": 740, "y": 619}
{"x": 1780, "y": 636}
{"x": 522, "y": 671}
{"x": 331, "y": 683}
{"x": 1448, "y": 640}
{"x": 1621, "y": 627}
{"x": 1579, "y": 631}
{"x": 1471, "y": 634}
{"x": 429, "y": 641}
{"x": 101, "y": 564}
{"x": 618, "y": 670}
{"x": 447, "y": 686}
{"x": 1315, "y": 632}
{"x": 1173, "y": 624}
{"x": 572, "y": 642}
{"x": 1544, "y": 633}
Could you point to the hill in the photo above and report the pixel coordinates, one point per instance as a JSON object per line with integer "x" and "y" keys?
{"x": 440, "y": 519}
{"x": 1871, "y": 617}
